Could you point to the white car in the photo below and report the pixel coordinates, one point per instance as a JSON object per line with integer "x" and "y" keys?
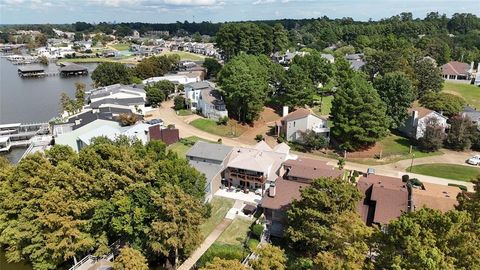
{"x": 475, "y": 160}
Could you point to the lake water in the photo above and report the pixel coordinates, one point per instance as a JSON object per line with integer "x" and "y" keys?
{"x": 30, "y": 100}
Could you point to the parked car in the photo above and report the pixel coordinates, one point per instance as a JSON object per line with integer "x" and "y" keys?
{"x": 155, "y": 122}
{"x": 475, "y": 160}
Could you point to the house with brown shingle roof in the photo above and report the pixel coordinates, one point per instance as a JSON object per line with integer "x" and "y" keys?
{"x": 387, "y": 198}
{"x": 292, "y": 125}
{"x": 455, "y": 70}
{"x": 416, "y": 124}
{"x": 295, "y": 175}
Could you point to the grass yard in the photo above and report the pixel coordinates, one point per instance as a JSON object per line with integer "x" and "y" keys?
{"x": 187, "y": 56}
{"x": 184, "y": 112}
{"x": 469, "y": 92}
{"x": 236, "y": 232}
{"x": 232, "y": 129}
{"x": 121, "y": 46}
{"x": 220, "y": 207}
{"x": 96, "y": 60}
{"x": 181, "y": 147}
{"x": 449, "y": 171}
{"x": 326, "y": 106}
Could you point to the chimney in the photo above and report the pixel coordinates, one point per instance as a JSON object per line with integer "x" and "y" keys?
{"x": 272, "y": 191}
{"x": 285, "y": 111}
{"x": 472, "y": 65}
{"x": 414, "y": 117}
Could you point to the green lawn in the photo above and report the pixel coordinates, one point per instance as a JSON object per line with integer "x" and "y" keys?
{"x": 121, "y": 46}
{"x": 220, "y": 207}
{"x": 236, "y": 233}
{"x": 187, "y": 56}
{"x": 232, "y": 129}
{"x": 326, "y": 106}
{"x": 181, "y": 147}
{"x": 94, "y": 60}
{"x": 184, "y": 112}
{"x": 449, "y": 171}
{"x": 394, "y": 148}
{"x": 469, "y": 92}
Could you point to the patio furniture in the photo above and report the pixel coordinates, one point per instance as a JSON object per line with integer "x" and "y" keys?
{"x": 249, "y": 209}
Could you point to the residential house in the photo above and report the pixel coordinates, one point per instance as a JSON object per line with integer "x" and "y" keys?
{"x": 287, "y": 57}
{"x": 356, "y": 61}
{"x": 255, "y": 168}
{"x": 292, "y": 125}
{"x": 457, "y": 71}
{"x": 174, "y": 78}
{"x": 203, "y": 97}
{"x": 118, "y": 97}
{"x": 81, "y": 137}
{"x": 209, "y": 159}
{"x": 473, "y": 114}
{"x": 416, "y": 124}
{"x": 330, "y": 58}
{"x": 386, "y": 198}
{"x": 294, "y": 176}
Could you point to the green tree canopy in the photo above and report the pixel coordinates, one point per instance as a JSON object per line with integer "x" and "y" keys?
{"x": 359, "y": 115}
{"x": 243, "y": 81}
{"x": 462, "y": 133}
{"x": 130, "y": 259}
{"x": 212, "y": 66}
{"x": 111, "y": 73}
{"x": 64, "y": 204}
{"x": 268, "y": 258}
{"x": 398, "y": 94}
{"x": 221, "y": 264}
{"x": 312, "y": 219}
{"x": 446, "y": 103}
{"x": 298, "y": 89}
{"x": 428, "y": 77}
{"x": 428, "y": 239}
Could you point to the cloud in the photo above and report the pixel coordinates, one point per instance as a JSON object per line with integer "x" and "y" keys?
{"x": 262, "y": 2}
{"x": 192, "y": 2}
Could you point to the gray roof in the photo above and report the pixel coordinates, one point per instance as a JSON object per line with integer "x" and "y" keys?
{"x": 354, "y": 56}
{"x": 212, "y": 151}
{"x": 473, "y": 114}
{"x": 357, "y": 64}
{"x": 327, "y": 56}
{"x": 207, "y": 168}
{"x": 118, "y": 101}
{"x": 198, "y": 85}
{"x": 72, "y": 68}
{"x": 113, "y": 89}
{"x": 31, "y": 69}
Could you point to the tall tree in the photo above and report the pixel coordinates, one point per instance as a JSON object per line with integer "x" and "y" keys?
{"x": 318, "y": 69}
{"x": 178, "y": 229}
{"x": 433, "y": 137}
{"x": 212, "y": 66}
{"x": 428, "y": 77}
{"x": 359, "y": 115}
{"x": 243, "y": 81}
{"x": 298, "y": 89}
{"x": 446, "y": 103}
{"x": 221, "y": 264}
{"x": 462, "y": 133}
{"x": 130, "y": 259}
{"x": 111, "y": 73}
{"x": 398, "y": 94}
{"x": 312, "y": 218}
{"x": 470, "y": 202}
{"x": 268, "y": 258}
{"x": 280, "y": 38}
{"x": 428, "y": 239}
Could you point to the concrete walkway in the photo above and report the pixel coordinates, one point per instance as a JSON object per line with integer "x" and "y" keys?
{"x": 192, "y": 260}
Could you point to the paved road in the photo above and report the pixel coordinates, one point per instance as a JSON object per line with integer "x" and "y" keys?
{"x": 192, "y": 260}
{"x": 168, "y": 115}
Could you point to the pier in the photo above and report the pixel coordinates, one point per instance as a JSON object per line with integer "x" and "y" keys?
{"x": 22, "y": 135}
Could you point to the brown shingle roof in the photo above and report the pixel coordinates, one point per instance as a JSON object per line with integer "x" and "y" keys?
{"x": 440, "y": 197}
{"x": 311, "y": 169}
{"x": 455, "y": 68}
{"x": 298, "y": 114}
{"x": 389, "y": 195}
{"x": 285, "y": 192}
{"x": 422, "y": 111}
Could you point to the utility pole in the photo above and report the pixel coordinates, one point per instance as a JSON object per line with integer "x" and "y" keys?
{"x": 411, "y": 164}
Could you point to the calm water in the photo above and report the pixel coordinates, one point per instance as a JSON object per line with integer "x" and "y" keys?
{"x": 33, "y": 99}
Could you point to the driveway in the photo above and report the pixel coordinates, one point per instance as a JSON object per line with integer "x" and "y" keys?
{"x": 169, "y": 116}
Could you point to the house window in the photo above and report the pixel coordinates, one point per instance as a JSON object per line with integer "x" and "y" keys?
{"x": 293, "y": 123}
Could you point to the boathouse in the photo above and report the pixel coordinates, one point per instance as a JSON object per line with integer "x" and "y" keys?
{"x": 70, "y": 69}
{"x": 31, "y": 71}
{"x": 5, "y": 144}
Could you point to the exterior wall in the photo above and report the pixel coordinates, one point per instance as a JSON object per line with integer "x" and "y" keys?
{"x": 192, "y": 96}
{"x": 219, "y": 162}
{"x": 209, "y": 111}
{"x": 252, "y": 179}
{"x": 276, "y": 218}
{"x": 422, "y": 123}
{"x": 293, "y": 129}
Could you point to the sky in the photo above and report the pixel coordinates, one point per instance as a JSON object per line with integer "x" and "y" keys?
{"x": 164, "y": 11}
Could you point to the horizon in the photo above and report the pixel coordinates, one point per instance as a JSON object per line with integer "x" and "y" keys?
{"x": 15, "y": 12}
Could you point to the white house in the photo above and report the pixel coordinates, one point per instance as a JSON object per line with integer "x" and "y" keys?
{"x": 416, "y": 124}
{"x": 203, "y": 97}
{"x": 118, "y": 95}
{"x": 292, "y": 125}
{"x": 174, "y": 78}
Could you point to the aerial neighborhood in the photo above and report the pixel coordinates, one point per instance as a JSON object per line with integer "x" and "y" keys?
{"x": 324, "y": 143}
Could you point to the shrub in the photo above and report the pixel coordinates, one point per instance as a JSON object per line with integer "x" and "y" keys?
{"x": 259, "y": 137}
{"x": 416, "y": 182}
{"x": 461, "y": 187}
{"x": 127, "y": 119}
{"x": 313, "y": 141}
{"x": 222, "y": 120}
{"x": 223, "y": 251}
{"x": 179, "y": 103}
{"x": 257, "y": 230}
